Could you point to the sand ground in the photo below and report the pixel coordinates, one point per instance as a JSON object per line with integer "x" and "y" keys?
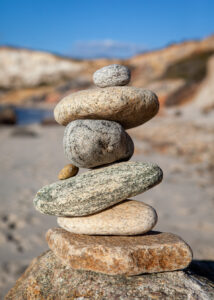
{"x": 31, "y": 157}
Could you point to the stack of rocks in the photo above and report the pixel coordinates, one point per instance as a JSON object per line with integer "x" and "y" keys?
{"x": 101, "y": 229}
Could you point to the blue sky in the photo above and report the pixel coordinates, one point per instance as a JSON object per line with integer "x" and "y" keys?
{"x": 90, "y": 28}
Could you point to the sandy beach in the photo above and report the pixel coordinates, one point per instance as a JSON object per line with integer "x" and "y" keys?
{"x": 31, "y": 157}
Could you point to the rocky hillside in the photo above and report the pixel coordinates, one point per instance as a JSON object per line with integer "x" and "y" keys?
{"x": 178, "y": 73}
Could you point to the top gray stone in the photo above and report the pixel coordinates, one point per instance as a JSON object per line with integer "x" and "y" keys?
{"x": 112, "y": 75}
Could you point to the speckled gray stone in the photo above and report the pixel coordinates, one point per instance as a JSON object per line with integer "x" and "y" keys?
{"x": 92, "y": 143}
{"x": 98, "y": 189}
{"x": 112, "y": 75}
{"x": 126, "y": 105}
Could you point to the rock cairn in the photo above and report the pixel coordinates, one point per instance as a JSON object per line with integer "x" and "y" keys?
{"x": 101, "y": 229}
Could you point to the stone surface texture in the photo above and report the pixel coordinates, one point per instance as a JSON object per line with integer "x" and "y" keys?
{"x": 91, "y": 143}
{"x": 120, "y": 255}
{"x": 96, "y": 190}
{"x": 68, "y": 171}
{"x": 128, "y": 106}
{"x": 126, "y": 218}
{"x": 112, "y": 75}
{"x": 47, "y": 278}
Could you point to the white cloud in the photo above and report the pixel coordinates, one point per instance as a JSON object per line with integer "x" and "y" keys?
{"x": 105, "y": 48}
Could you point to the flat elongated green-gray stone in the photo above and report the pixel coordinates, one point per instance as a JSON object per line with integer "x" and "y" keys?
{"x": 97, "y": 190}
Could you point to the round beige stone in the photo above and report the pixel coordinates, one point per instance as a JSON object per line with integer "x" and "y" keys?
{"x": 128, "y": 106}
{"x": 126, "y": 218}
{"x": 68, "y": 171}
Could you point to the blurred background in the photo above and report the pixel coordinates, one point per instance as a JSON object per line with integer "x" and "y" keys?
{"x": 51, "y": 48}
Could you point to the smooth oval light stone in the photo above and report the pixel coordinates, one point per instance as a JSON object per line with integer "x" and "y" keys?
{"x": 112, "y": 75}
{"x": 97, "y": 190}
{"x": 128, "y": 106}
{"x": 126, "y": 218}
{"x": 68, "y": 171}
{"x": 91, "y": 143}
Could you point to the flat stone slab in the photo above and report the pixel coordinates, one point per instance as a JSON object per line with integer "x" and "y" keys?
{"x": 47, "y": 278}
{"x": 120, "y": 255}
{"x": 97, "y": 190}
{"x": 92, "y": 143}
{"x": 112, "y": 75}
{"x": 126, "y": 218}
{"x": 128, "y": 106}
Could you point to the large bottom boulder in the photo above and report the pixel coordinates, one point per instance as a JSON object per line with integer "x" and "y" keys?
{"x": 48, "y": 278}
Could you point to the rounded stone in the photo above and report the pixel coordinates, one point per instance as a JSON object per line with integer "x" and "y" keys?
{"x": 126, "y": 105}
{"x": 68, "y": 171}
{"x": 92, "y": 143}
{"x": 112, "y": 75}
{"x": 48, "y": 278}
{"x": 139, "y": 216}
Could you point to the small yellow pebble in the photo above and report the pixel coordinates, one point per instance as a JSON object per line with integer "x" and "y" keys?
{"x": 68, "y": 171}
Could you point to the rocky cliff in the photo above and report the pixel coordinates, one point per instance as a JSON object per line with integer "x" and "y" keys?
{"x": 176, "y": 73}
